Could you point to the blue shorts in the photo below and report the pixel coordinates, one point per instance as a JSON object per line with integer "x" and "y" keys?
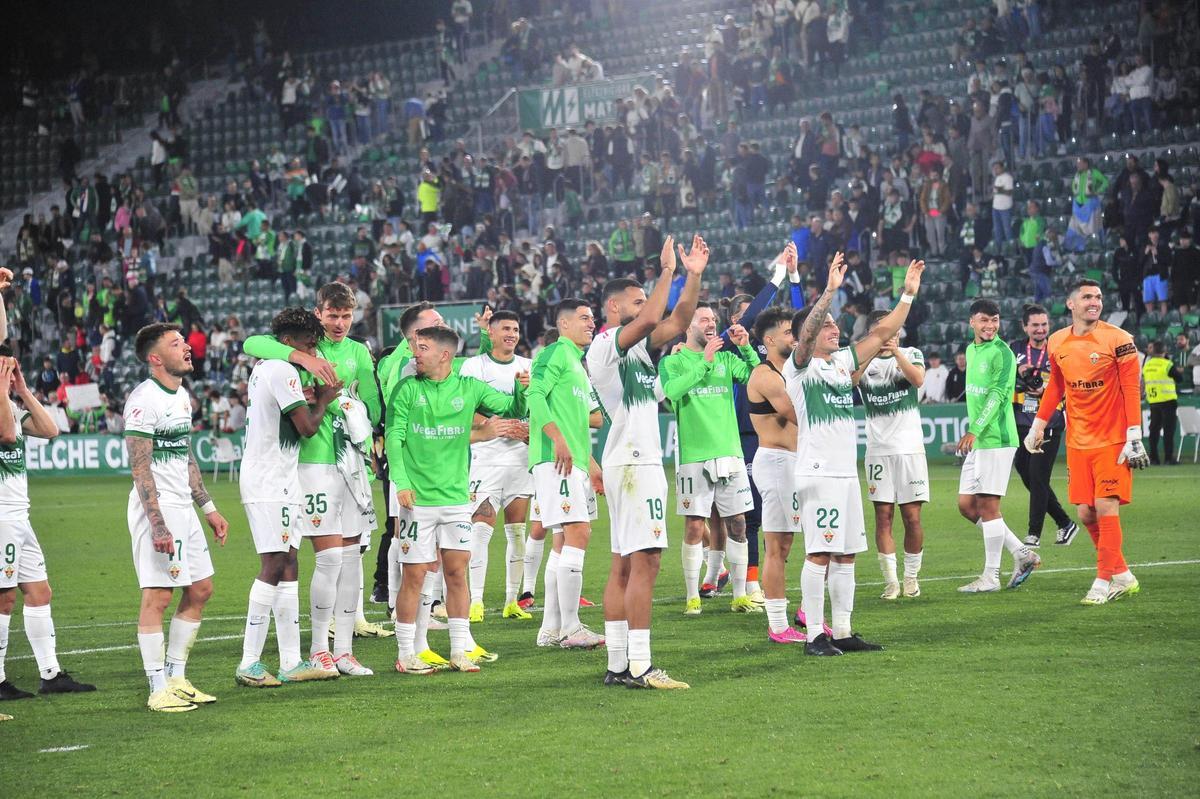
{"x": 1154, "y": 289}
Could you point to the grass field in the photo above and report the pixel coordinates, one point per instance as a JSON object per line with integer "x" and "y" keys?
{"x": 1018, "y": 693}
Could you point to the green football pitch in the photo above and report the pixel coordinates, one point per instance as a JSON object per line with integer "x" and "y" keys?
{"x": 1017, "y": 693}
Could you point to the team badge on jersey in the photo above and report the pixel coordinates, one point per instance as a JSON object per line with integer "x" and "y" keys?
{"x": 405, "y": 547}
{"x": 658, "y": 531}
{"x": 871, "y": 489}
{"x": 566, "y": 506}
{"x": 316, "y": 521}
{"x": 174, "y": 571}
{"x": 1094, "y": 358}
{"x": 828, "y": 538}
{"x": 284, "y": 536}
{"x": 795, "y": 518}
{"x": 8, "y": 571}
{"x": 687, "y": 503}
{"x": 457, "y": 403}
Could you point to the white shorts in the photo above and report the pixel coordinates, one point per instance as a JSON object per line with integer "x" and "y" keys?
{"x": 356, "y": 521}
{"x": 897, "y": 478}
{"x": 698, "y": 493}
{"x": 637, "y": 500}
{"x": 324, "y": 494}
{"x": 191, "y": 562}
{"x": 423, "y": 530}
{"x": 273, "y": 526}
{"x": 831, "y": 514}
{"x": 986, "y": 471}
{"x": 774, "y": 474}
{"x": 499, "y": 485}
{"x": 21, "y": 558}
{"x": 562, "y": 500}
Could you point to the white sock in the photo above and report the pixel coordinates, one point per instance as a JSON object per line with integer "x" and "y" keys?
{"x": 345, "y": 606}
{"x": 887, "y": 565}
{"x": 693, "y": 555}
{"x": 777, "y": 618}
{"x": 912, "y": 564}
{"x": 395, "y": 573}
{"x": 570, "y": 587}
{"x": 5, "y": 622}
{"x": 993, "y": 547}
{"x": 322, "y": 594}
{"x": 639, "y": 652}
{"x": 708, "y": 574}
{"x": 39, "y": 629}
{"x": 1123, "y": 577}
{"x": 180, "y": 637}
{"x": 404, "y": 640}
{"x": 514, "y": 558}
{"x": 533, "y": 562}
{"x": 481, "y": 538}
{"x": 287, "y": 624}
{"x": 812, "y": 597}
{"x": 1015, "y": 546}
{"x": 616, "y": 639}
{"x": 739, "y": 559}
{"x": 151, "y": 645}
{"x": 752, "y": 587}
{"x": 359, "y": 615}
{"x": 258, "y": 622}
{"x": 712, "y": 574}
{"x": 551, "y": 618}
{"x": 460, "y": 634}
{"x": 1101, "y": 584}
{"x": 420, "y": 639}
{"x": 841, "y": 597}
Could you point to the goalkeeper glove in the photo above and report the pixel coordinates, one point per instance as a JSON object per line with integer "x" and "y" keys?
{"x": 1033, "y": 439}
{"x": 1133, "y": 452}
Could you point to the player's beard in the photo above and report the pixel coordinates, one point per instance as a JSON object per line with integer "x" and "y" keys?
{"x": 625, "y": 320}
{"x": 183, "y": 370}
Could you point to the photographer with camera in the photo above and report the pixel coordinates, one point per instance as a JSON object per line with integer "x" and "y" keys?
{"x": 1033, "y": 370}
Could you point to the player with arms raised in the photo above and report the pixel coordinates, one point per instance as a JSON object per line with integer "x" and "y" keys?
{"x": 635, "y": 484}
{"x": 22, "y": 564}
{"x": 428, "y": 444}
{"x": 990, "y": 444}
{"x": 500, "y": 468}
{"x": 819, "y": 382}
{"x": 278, "y": 416}
{"x": 897, "y": 473}
{"x": 560, "y": 459}
{"x": 1096, "y": 368}
{"x": 169, "y": 550}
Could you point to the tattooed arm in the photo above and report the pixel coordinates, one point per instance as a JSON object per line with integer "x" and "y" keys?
{"x": 141, "y": 451}
{"x": 815, "y": 319}
{"x": 200, "y": 495}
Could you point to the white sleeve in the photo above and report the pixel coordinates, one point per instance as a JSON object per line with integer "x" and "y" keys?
{"x": 284, "y": 383}
{"x": 471, "y": 368}
{"x": 916, "y": 357}
{"x": 846, "y": 358}
{"x": 140, "y": 417}
{"x": 602, "y": 357}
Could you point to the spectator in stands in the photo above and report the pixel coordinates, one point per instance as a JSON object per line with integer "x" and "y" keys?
{"x": 935, "y": 202}
{"x": 956, "y": 378}
{"x": 936, "y": 374}
{"x": 235, "y": 420}
{"x": 158, "y": 158}
{"x": 837, "y": 32}
{"x": 1045, "y": 260}
{"x": 902, "y": 126}
{"x": 1127, "y": 272}
{"x": 135, "y": 308}
{"x": 1185, "y": 273}
{"x": 1033, "y": 228}
{"x": 895, "y": 223}
{"x": 1139, "y": 207}
{"x": 1087, "y": 187}
{"x": 1140, "y": 83}
{"x": 970, "y": 232}
{"x": 981, "y": 144}
{"x": 1170, "y": 210}
{"x": 1156, "y": 271}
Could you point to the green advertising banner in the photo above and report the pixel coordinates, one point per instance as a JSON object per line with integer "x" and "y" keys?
{"x": 460, "y": 316}
{"x": 103, "y": 454}
{"x": 566, "y": 106}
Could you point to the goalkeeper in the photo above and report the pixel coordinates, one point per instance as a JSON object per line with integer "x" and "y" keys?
{"x": 1096, "y": 368}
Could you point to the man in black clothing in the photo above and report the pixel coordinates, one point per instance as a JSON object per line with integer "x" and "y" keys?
{"x": 1185, "y": 273}
{"x": 1033, "y": 370}
{"x": 757, "y": 166}
{"x": 956, "y": 379}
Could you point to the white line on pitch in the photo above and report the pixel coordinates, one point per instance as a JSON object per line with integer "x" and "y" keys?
{"x": 73, "y": 748}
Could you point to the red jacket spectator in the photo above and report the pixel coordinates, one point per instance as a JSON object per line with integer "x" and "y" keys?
{"x": 198, "y": 341}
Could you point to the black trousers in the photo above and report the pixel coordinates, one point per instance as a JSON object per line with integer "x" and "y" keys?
{"x": 1162, "y": 420}
{"x": 1035, "y": 471}
{"x": 384, "y": 544}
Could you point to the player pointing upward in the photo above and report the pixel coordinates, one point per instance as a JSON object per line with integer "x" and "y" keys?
{"x": 1096, "y": 368}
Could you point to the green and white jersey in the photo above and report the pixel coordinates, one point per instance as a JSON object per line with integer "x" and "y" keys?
{"x": 822, "y": 393}
{"x": 165, "y": 417}
{"x": 991, "y": 377}
{"x": 14, "y": 485}
{"x": 428, "y": 435}
{"x": 629, "y": 390}
{"x": 271, "y": 446}
{"x": 890, "y": 402}
{"x": 352, "y": 362}
{"x": 701, "y": 392}
{"x": 560, "y": 392}
{"x": 502, "y": 376}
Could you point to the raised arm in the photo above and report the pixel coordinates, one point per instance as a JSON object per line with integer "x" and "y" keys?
{"x": 816, "y": 316}
{"x": 307, "y": 418}
{"x": 6, "y": 277}
{"x": 39, "y": 423}
{"x": 694, "y": 262}
{"x": 679, "y": 376}
{"x": 740, "y": 367}
{"x": 8, "y": 422}
{"x": 651, "y": 314}
{"x": 270, "y": 349}
{"x": 914, "y": 373}
{"x": 767, "y": 294}
{"x": 890, "y": 325}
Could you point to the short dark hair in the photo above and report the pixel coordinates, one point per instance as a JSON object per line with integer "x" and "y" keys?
{"x": 443, "y": 336}
{"x": 616, "y": 286}
{"x": 985, "y": 307}
{"x": 874, "y": 316}
{"x": 504, "y": 316}
{"x": 569, "y": 305}
{"x": 149, "y": 335}
{"x": 297, "y": 323}
{"x": 1086, "y": 282}
{"x": 409, "y": 317}
{"x": 769, "y": 319}
{"x": 336, "y": 295}
{"x": 6, "y": 351}
{"x": 1031, "y": 309}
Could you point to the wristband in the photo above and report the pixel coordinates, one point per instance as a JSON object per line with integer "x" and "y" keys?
{"x": 908, "y": 298}
{"x": 779, "y": 271}
{"x": 794, "y": 276}
{"x": 208, "y": 507}
{"x": 1134, "y": 433}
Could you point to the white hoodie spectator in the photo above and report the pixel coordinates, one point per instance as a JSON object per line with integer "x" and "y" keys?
{"x": 1140, "y": 82}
